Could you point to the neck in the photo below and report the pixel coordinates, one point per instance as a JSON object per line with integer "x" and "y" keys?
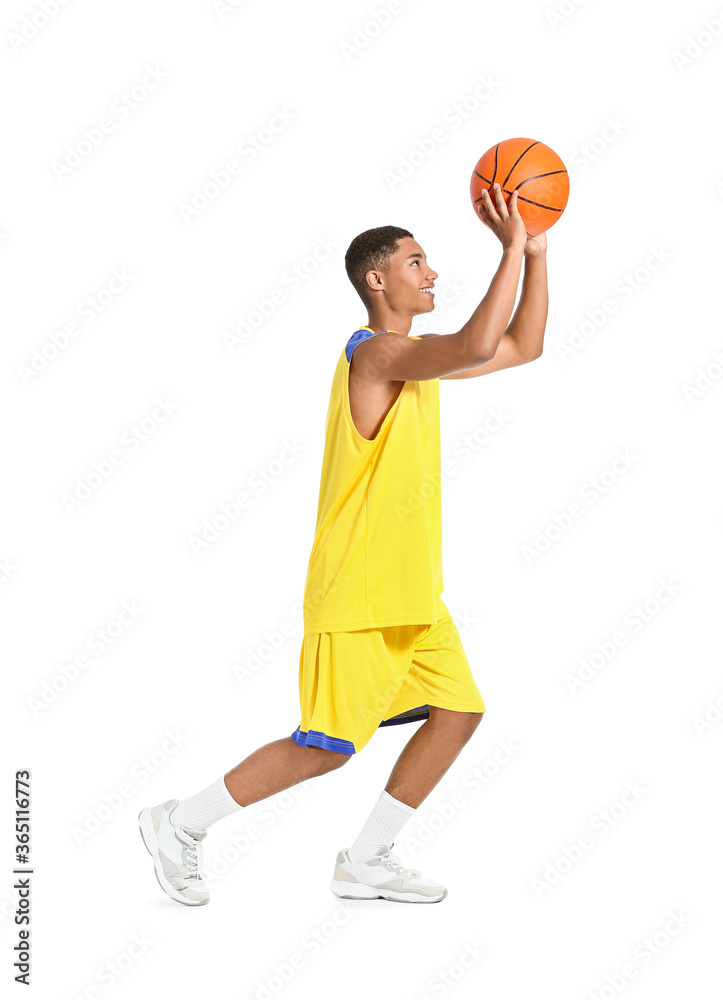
{"x": 388, "y": 319}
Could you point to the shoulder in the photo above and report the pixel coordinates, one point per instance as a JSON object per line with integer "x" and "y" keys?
{"x": 358, "y": 337}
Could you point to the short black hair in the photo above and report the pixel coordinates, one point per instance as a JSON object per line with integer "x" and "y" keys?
{"x": 370, "y": 251}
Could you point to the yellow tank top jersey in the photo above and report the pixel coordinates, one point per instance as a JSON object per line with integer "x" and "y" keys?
{"x": 376, "y": 559}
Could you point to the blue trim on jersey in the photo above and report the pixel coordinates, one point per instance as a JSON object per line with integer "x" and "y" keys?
{"x": 410, "y": 716}
{"x": 357, "y": 338}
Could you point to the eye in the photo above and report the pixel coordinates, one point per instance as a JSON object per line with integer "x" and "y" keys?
{"x": 415, "y": 262}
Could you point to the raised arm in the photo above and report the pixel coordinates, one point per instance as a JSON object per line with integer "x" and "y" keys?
{"x": 392, "y": 356}
{"x": 523, "y": 338}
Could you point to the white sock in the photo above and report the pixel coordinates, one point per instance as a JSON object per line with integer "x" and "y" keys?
{"x": 382, "y": 828}
{"x": 205, "y": 807}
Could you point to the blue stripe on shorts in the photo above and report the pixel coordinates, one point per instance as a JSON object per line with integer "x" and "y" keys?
{"x": 316, "y": 739}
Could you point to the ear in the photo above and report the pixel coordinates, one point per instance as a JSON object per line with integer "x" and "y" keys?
{"x": 374, "y": 280}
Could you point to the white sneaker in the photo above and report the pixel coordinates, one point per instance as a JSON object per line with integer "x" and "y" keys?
{"x": 382, "y": 876}
{"x": 176, "y": 855}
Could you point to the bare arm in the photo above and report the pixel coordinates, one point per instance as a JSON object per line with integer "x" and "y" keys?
{"x": 523, "y": 338}
{"x": 392, "y": 356}
{"x": 527, "y": 328}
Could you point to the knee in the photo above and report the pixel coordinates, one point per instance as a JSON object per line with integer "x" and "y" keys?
{"x": 473, "y": 720}
{"x": 463, "y": 722}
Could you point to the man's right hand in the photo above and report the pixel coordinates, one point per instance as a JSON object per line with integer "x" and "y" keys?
{"x": 506, "y": 224}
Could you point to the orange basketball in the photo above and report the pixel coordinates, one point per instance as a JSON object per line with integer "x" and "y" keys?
{"x": 532, "y": 169}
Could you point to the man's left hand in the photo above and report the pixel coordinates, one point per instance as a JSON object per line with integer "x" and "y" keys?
{"x": 535, "y": 245}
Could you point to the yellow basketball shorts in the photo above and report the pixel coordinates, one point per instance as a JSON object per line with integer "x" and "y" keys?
{"x": 352, "y": 683}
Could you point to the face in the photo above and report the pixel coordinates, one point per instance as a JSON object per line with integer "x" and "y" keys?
{"x": 408, "y": 274}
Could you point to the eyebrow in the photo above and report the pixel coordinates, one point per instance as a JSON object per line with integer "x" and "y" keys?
{"x": 414, "y": 255}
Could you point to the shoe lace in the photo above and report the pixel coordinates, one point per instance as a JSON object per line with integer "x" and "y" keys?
{"x": 394, "y": 863}
{"x": 191, "y": 854}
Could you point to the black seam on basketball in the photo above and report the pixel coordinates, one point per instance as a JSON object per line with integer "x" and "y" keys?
{"x": 529, "y": 201}
{"x": 482, "y": 179}
{"x": 537, "y": 177}
{"x": 538, "y": 205}
{"x": 495, "y": 173}
{"x": 535, "y": 143}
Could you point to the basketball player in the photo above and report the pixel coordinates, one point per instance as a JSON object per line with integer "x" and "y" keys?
{"x": 379, "y": 647}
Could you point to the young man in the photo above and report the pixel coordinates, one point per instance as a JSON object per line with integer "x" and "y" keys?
{"x": 380, "y": 647}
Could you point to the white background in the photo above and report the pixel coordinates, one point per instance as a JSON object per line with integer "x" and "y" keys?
{"x": 609, "y": 87}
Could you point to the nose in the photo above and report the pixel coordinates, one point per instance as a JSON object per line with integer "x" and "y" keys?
{"x": 432, "y": 275}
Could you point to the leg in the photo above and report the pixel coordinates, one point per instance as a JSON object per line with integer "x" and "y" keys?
{"x": 276, "y": 766}
{"x": 429, "y": 754}
{"x": 172, "y": 831}
{"x": 368, "y": 869}
{"x": 424, "y": 760}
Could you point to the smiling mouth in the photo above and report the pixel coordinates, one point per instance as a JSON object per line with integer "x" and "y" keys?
{"x": 427, "y": 291}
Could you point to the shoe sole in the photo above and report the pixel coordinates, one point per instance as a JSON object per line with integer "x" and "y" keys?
{"x": 145, "y": 824}
{"x": 357, "y": 890}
